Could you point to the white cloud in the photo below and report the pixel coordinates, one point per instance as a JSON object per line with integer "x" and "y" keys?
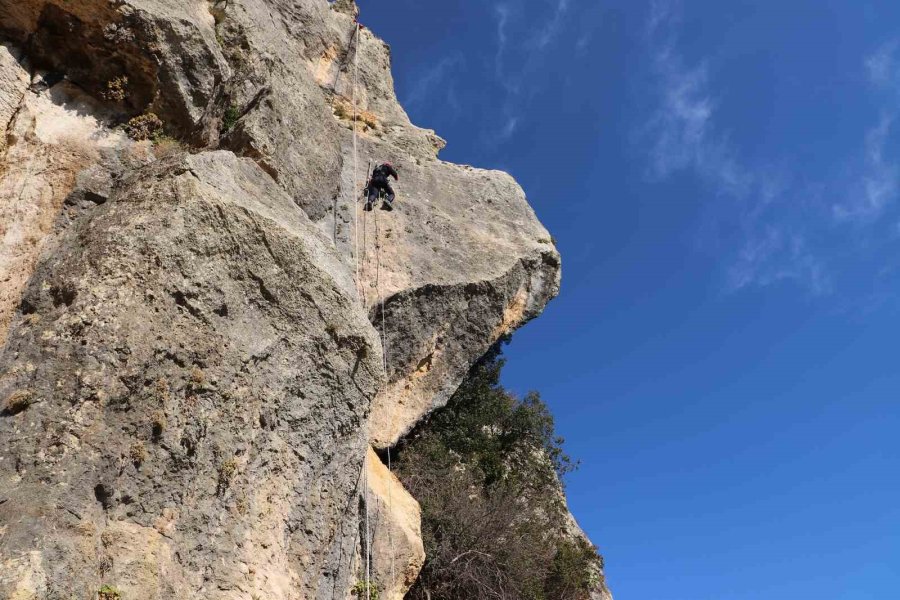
{"x": 518, "y": 56}
{"x": 882, "y": 67}
{"x": 510, "y": 127}
{"x": 682, "y": 135}
{"x": 683, "y": 125}
{"x": 774, "y": 225}
{"x": 502, "y": 12}
{"x": 437, "y": 80}
{"x": 773, "y": 256}
{"x": 663, "y": 15}
{"x": 879, "y": 184}
{"x": 552, "y": 28}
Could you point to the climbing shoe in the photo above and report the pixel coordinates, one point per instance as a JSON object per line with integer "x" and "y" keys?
{"x": 368, "y": 206}
{"x": 386, "y": 205}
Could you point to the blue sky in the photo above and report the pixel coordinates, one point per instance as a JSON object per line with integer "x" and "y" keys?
{"x": 723, "y": 182}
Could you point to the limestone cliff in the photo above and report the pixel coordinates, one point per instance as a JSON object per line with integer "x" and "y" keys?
{"x": 193, "y": 307}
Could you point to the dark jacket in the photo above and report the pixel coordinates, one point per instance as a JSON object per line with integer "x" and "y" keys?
{"x": 382, "y": 172}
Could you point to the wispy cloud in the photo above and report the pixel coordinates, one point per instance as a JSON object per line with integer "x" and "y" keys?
{"x": 552, "y": 28}
{"x": 437, "y": 82}
{"x": 510, "y": 127}
{"x": 683, "y": 128}
{"x": 502, "y": 13}
{"x": 879, "y": 184}
{"x": 682, "y": 134}
{"x": 777, "y": 225}
{"x": 882, "y": 66}
{"x": 772, "y": 256}
{"x": 520, "y": 50}
{"x": 664, "y": 15}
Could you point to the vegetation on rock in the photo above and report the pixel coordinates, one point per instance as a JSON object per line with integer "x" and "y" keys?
{"x": 116, "y": 89}
{"x": 144, "y": 127}
{"x": 16, "y": 402}
{"x": 231, "y": 116}
{"x": 486, "y": 470}
{"x": 363, "y": 590}
{"x": 108, "y": 592}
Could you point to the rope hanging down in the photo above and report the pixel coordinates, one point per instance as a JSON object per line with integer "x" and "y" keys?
{"x": 359, "y": 290}
{"x": 355, "y": 161}
{"x": 364, "y": 299}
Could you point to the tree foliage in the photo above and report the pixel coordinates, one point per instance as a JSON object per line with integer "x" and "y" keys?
{"x": 487, "y": 470}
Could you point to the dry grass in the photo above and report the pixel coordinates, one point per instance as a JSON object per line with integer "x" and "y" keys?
{"x": 165, "y": 146}
{"x": 197, "y": 376}
{"x": 217, "y": 10}
{"x": 158, "y": 425}
{"x": 137, "y": 453}
{"x": 343, "y": 110}
{"x": 107, "y": 538}
{"x": 227, "y": 472}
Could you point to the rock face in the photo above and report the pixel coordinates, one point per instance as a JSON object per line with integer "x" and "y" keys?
{"x": 183, "y": 393}
{"x": 395, "y": 531}
{"x": 192, "y": 365}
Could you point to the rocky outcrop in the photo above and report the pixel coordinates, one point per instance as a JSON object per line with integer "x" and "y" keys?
{"x": 395, "y": 531}
{"x": 172, "y": 387}
{"x": 163, "y": 53}
{"x": 192, "y": 370}
{"x": 462, "y": 263}
{"x": 54, "y": 136}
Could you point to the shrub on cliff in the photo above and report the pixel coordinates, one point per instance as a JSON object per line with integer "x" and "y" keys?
{"x": 486, "y": 471}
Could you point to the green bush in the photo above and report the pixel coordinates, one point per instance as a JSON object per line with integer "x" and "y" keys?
{"x": 108, "y": 592}
{"x": 365, "y": 592}
{"x": 486, "y": 470}
{"x": 575, "y": 570}
{"x": 230, "y": 118}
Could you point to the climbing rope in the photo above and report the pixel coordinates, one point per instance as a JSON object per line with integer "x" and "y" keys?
{"x": 390, "y": 532}
{"x": 384, "y": 364}
{"x": 365, "y": 269}
{"x": 384, "y": 350}
{"x": 360, "y": 292}
{"x": 368, "y": 533}
{"x": 355, "y": 161}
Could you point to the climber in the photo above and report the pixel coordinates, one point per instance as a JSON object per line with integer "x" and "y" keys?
{"x": 378, "y": 183}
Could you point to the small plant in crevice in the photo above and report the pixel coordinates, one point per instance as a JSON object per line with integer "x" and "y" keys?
{"x": 242, "y": 506}
{"x": 227, "y": 471}
{"x": 16, "y": 402}
{"x": 365, "y": 591}
{"x": 147, "y": 126}
{"x": 158, "y": 425}
{"x": 105, "y": 564}
{"x": 116, "y": 89}
{"x": 108, "y": 592}
{"x": 137, "y": 453}
{"x": 217, "y": 10}
{"x": 197, "y": 382}
{"x": 343, "y": 110}
{"x": 230, "y": 118}
{"x": 107, "y": 538}
{"x": 340, "y": 111}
